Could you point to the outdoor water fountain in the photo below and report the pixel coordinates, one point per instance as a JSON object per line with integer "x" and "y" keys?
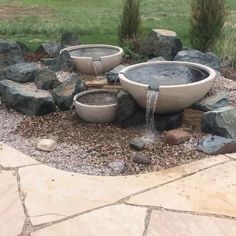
{"x": 180, "y": 84}
{"x": 95, "y": 58}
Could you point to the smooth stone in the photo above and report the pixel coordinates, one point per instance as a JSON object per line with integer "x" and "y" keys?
{"x": 46, "y": 79}
{"x": 156, "y": 59}
{"x": 47, "y": 145}
{"x": 112, "y": 76}
{"x": 212, "y": 102}
{"x": 78, "y": 194}
{"x": 137, "y": 144}
{"x": 220, "y": 122}
{"x": 164, "y": 223}
{"x": 210, "y": 191}
{"x": 26, "y": 98}
{"x": 64, "y": 93}
{"x": 11, "y": 210}
{"x": 21, "y": 72}
{"x": 191, "y": 55}
{"x": 108, "y": 221}
{"x": 117, "y": 165}
{"x": 161, "y": 43}
{"x": 140, "y": 158}
{"x": 176, "y": 136}
{"x": 215, "y": 145}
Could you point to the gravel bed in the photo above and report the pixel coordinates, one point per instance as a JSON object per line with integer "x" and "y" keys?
{"x": 89, "y": 148}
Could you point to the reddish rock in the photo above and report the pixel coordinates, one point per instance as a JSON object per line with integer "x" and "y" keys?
{"x": 176, "y": 136}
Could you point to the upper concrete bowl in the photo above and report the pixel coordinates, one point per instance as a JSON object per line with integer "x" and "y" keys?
{"x": 180, "y": 84}
{"x": 95, "y": 58}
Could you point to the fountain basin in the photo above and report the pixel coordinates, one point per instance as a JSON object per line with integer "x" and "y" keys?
{"x": 96, "y": 105}
{"x": 180, "y": 84}
{"x": 95, "y": 58}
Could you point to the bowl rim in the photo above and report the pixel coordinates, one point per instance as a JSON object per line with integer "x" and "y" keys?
{"x": 90, "y": 92}
{"x": 211, "y": 76}
{"x": 70, "y": 48}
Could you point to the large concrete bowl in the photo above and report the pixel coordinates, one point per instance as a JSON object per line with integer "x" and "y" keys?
{"x": 96, "y": 113}
{"x": 95, "y": 58}
{"x": 171, "y": 98}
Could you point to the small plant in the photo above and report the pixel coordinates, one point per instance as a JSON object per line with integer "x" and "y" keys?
{"x": 207, "y": 21}
{"x": 130, "y": 23}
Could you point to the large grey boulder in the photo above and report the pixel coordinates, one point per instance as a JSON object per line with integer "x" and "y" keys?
{"x": 21, "y": 72}
{"x": 46, "y": 79}
{"x": 221, "y": 122}
{"x": 215, "y": 145}
{"x": 191, "y": 55}
{"x": 26, "y": 98}
{"x": 51, "y": 49}
{"x": 64, "y": 93}
{"x": 112, "y": 76}
{"x": 69, "y": 39}
{"x": 10, "y": 53}
{"x": 212, "y": 102}
{"x": 162, "y": 43}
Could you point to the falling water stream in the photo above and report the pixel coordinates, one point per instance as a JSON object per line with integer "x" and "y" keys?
{"x": 149, "y": 135}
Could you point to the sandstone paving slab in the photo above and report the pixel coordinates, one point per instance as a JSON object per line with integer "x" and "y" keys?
{"x": 11, "y": 211}
{"x": 53, "y": 194}
{"x": 10, "y": 157}
{"x": 114, "y": 220}
{"x": 209, "y": 191}
{"x": 163, "y": 223}
{"x": 232, "y": 155}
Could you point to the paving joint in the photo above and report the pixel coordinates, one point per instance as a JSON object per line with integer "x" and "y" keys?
{"x": 147, "y": 221}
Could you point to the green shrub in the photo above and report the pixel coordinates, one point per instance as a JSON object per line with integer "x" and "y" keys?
{"x": 130, "y": 22}
{"x": 207, "y": 21}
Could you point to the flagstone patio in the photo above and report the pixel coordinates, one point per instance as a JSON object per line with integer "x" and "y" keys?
{"x": 190, "y": 200}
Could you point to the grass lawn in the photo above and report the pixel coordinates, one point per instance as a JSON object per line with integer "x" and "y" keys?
{"x": 96, "y": 21}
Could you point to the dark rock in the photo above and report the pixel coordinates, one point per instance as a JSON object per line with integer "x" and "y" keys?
{"x": 161, "y": 43}
{"x": 64, "y": 93}
{"x": 46, "y": 79}
{"x": 112, "y": 76}
{"x": 10, "y": 53}
{"x": 117, "y": 166}
{"x": 140, "y": 158}
{"x": 50, "y": 49}
{"x": 168, "y": 121}
{"x": 23, "y": 48}
{"x": 212, "y": 102}
{"x": 2, "y": 75}
{"x": 47, "y": 61}
{"x": 129, "y": 113}
{"x": 215, "y": 145}
{"x": 221, "y": 122}
{"x": 69, "y": 39}
{"x": 156, "y": 59}
{"x": 62, "y": 62}
{"x": 26, "y": 98}
{"x": 21, "y": 72}
{"x": 191, "y": 55}
{"x": 137, "y": 144}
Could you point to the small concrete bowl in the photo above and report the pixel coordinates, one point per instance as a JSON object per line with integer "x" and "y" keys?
{"x": 102, "y": 113}
{"x": 95, "y": 58}
{"x": 172, "y": 97}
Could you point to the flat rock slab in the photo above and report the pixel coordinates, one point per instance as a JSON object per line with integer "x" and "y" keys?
{"x": 212, "y": 102}
{"x": 60, "y": 194}
{"x": 220, "y": 122}
{"x": 114, "y": 220}
{"x": 210, "y": 191}
{"x": 215, "y": 145}
{"x": 163, "y": 223}
{"x": 26, "y": 98}
{"x": 21, "y": 72}
{"x": 11, "y": 211}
